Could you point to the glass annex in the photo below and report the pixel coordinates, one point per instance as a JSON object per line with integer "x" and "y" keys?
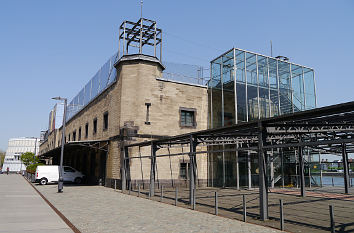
{"x": 246, "y": 86}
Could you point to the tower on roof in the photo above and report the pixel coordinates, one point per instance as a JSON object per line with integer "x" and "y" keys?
{"x": 134, "y": 36}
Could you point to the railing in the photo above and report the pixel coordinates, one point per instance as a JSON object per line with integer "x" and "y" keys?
{"x": 31, "y": 177}
{"x": 97, "y": 84}
{"x": 185, "y": 73}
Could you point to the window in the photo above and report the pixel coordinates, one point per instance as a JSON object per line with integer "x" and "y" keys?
{"x": 79, "y": 137}
{"x": 86, "y": 130}
{"x": 105, "y": 121}
{"x": 68, "y": 169}
{"x": 228, "y": 119}
{"x": 187, "y": 117}
{"x": 74, "y": 135}
{"x": 147, "y": 122}
{"x": 95, "y": 126}
{"x": 183, "y": 170}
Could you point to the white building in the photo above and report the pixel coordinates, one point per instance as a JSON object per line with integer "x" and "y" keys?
{"x": 16, "y": 147}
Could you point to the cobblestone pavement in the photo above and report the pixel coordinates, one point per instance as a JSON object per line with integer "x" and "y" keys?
{"x": 99, "y": 209}
{"x": 301, "y": 214}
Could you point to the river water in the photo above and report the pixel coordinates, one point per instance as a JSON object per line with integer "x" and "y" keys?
{"x": 337, "y": 180}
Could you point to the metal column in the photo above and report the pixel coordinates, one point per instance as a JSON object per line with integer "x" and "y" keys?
{"x": 155, "y": 39}
{"x": 319, "y": 156}
{"x": 192, "y": 170}
{"x": 141, "y": 37}
{"x": 152, "y": 169}
{"x": 346, "y": 168}
{"x": 263, "y": 184}
{"x": 235, "y": 86}
{"x": 249, "y": 176}
{"x": 282, "y": 168}
{"x": 237, "y": 170}
{"x": 223, "y": 167}
{"x": 124, "y": 172}
{"x": 309, "y": 165}
{"x": 222, "y": 93}
{"x": 272, "y": 169}
{"x": 161, "y": 45}
{"x": 246, "y": 90}
{"x": 302, "y": 174}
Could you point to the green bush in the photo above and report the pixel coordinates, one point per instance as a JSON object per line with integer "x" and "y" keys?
{"x": 32, "y": 167}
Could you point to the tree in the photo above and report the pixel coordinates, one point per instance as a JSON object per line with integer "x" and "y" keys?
{"x": 2, "y": 157}
{"x": 30, "y": 161}
{"x": 28, "y": 158}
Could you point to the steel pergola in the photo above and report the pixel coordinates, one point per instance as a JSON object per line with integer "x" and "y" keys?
{"x": 327, "y": 129}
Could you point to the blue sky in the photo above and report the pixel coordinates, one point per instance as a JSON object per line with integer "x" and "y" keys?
{"x": 51, "y": 48}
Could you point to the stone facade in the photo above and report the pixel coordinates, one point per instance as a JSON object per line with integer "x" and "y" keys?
{"x": 139, "y": 91}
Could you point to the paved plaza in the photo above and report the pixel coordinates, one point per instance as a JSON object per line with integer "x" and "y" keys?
{"x": 22, "y": 209}
{"x": 100, "y": 209}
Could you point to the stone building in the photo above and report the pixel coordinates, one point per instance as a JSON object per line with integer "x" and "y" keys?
{"x": 132, "y": 102}
{"x": 16, "y": 147}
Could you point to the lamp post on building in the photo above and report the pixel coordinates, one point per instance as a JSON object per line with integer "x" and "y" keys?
{"x": 61, "y": 180}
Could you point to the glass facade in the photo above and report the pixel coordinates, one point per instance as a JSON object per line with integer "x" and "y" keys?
{"x": 246, "y": 86}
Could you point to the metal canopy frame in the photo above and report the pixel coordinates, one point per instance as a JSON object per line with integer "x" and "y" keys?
{"x": 326, "y": 130}
{"x": 101, "y": 145}
{"x": 143, "y": 32}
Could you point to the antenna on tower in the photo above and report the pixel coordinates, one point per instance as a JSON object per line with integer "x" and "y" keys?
{"x": 271, "y": 49}
{"x": 141, "y": 8}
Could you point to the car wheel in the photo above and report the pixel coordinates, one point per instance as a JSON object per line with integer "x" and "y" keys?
{"x": 78, "y": 180}
{"x": 43, "y": 181}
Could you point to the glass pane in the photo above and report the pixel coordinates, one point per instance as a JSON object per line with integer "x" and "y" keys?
{"x": 228, "y": 88}
{"x": 298, "y": 88}
{"x": 263, "y": 87}
{"x": 215, "y": 85}
{"x": 104, "y": 77}
{"x": 240, "y": 65}
{"x": 82, "y": 98}
{"x": 252, "y": 86}
{"x": 70, "y": 110}
{"x": 309, "y": 89}
{"x": 189, "y": 119}
{"x": 241, "y": 86}
{"x": 95, "y": 85}
{"x": 273, "y": 82}
{"x": 284, "y": 88}
{"x": 87, "y": 93}
{"x": 76, "y": 106}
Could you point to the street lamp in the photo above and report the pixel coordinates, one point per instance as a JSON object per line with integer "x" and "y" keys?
{"x": 61, "y": 180}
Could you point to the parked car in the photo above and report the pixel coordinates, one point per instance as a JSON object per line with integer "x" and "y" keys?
{"x": 50, "y": 173}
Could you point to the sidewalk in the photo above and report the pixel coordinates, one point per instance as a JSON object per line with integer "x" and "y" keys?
{"x": 22, "y": 209}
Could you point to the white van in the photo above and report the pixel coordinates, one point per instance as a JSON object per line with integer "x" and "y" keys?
{"x": 50, "y": 173}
